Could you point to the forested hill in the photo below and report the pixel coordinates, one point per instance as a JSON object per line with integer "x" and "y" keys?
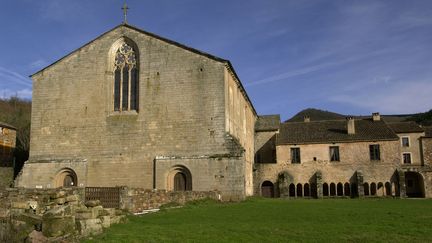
{"x": 316, "y": 115}
{"x": 424, "y": 118}
{"x": 17, "y": 112}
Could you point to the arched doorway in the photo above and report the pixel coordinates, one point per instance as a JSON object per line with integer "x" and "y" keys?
{"x": 179, "y": 179}
{"x": 267, "y": 189}
{"x": 66, "y": 178}
{"x": 414, "y": 184}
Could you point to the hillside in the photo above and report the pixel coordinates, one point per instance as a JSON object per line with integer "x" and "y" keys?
{"x": 424, "y": 118}
{"x": 316, "y": 115}
{"x": 17, "y": 112}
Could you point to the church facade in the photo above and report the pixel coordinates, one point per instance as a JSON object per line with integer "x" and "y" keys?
{"x": 131, "y": 108}
{"x": 134, "y": 109}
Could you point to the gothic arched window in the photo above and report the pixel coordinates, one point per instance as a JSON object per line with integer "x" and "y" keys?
{"x": 125, "y": 79}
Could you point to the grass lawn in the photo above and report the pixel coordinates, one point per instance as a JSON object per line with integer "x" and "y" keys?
{"x": 277, "y": 220}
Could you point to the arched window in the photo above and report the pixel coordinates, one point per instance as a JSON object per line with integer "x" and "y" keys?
{"x": 347, "y": 189}
{"x": 325, "y": 190}
{"x": 299, "y": 190}
{"x": 366, "y": 189}
{"x": 292, "y": 190}
{"x": 125, "y": 79}
{"x": 339, "y": 189}
{"x": 332, "y": 189}
{"x": 306, "y": 189}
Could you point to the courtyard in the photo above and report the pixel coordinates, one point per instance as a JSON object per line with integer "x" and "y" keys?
{"x": 278, "y": 220}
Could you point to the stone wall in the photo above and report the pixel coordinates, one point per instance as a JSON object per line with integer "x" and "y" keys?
{"x": 7, "y": 145}
{"x": 413, "y": 148}
{"x": 427, "y": 150}
{"x": 6, "y": 177}
{"x": 136, "y": 200}
{"x": 59, "y": 214}
{"x": 315, "y": 158}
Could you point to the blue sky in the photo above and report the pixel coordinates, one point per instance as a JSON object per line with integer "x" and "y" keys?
{"x": 351, "y": 57}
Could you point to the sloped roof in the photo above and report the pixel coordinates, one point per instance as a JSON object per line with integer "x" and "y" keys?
{"x": 428, "y": 132}
{"x": 267, "y": 123}
{"x": 215, "y": 58}
{"x": 405, "y": 127}
{"x": 334, "y": 131}
{"x": 2, "y": 124}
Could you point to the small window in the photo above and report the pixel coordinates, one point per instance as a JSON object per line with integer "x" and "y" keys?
{"x": 334, "y": 153}
{"x": 406, "y": 158}
{"x": 405, "y": 142}
{"x": 374, "y": 151}
{"x": 295, "y": 155}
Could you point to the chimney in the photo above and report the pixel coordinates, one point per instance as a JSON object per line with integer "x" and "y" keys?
{"x": 376, "y": 116}
{"x": 350, "y": 125}
{"x": 306, "y": 118}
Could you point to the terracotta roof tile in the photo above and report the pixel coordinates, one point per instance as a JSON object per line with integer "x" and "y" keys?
{"x": 334, "y": 131}
{"x": 405, "y": 127}
{"x": 267, "y": 123}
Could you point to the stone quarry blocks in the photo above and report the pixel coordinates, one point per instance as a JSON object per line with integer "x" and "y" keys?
{"x": 72, "y": 198}
{"x": 54, "y": 226}
{"x": 92, "y": 203}
{"x": 20, "y": 205}
{"x": 105, "y": 221}
{"x": 87, "y": 227}
{"x": 58, "y": 194}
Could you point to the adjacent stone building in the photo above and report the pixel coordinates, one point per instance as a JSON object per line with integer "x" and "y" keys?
{"x": 7, "y": 147}
{"x": 356, "y": 157}
{"x": 131, "y": 108}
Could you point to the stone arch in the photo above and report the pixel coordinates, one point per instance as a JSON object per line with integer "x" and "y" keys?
{"x": 179, "y": 179}
{"x": 66, "y": 177}
{"x": 388, "y": 189}
{"x": 354, "y": 189}
{"x": 414, "y": 184}
{"x": 325, "y": 190}
{"x": 373, "y": 189}
{"x": 332, "y": 189}
{"x": 366, "y": 189}
{"x": 380, "y": 189}
{"x": 299, "y": 190}
{"x": 306, "y": 189}
{"x": 267, "y": 189}
{"x": 339, "y": 189}
{"x": 314, "y": 190}
{"x": 347, "y": 189}
{"x": 292, "y": 190}
{"x": 395, "y": 189}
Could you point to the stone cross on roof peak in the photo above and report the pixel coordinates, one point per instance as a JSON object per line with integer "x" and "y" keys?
{"x": 125, "y": 9}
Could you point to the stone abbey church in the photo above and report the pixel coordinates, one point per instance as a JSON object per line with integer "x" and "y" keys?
{"x": 131, "y": 108}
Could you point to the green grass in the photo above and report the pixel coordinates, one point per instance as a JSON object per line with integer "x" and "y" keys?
{"x": 277, "y": 220}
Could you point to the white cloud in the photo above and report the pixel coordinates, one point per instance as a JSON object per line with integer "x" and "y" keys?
{"x": 40, "y": 63}
{"x": 23, "y": 93}
{"x": 8, "y": 77}
{"x": 400, "y": 98}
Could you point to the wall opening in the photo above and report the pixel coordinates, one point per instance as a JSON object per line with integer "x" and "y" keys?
{"x": 267, "y": 189}
{"x": 414, "y": 184}
{"x": 66, "y": 178}
{"x": 179, "y": 179}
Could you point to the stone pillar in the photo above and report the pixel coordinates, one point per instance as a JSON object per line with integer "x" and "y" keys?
{"x": 318, "y": 184}
{"x": 359, "y": 181}
{"x": 283, "y": 184}
{"x": 401, "y": 179}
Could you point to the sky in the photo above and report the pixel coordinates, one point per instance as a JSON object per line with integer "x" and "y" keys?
{"x": 350, "y": 57}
